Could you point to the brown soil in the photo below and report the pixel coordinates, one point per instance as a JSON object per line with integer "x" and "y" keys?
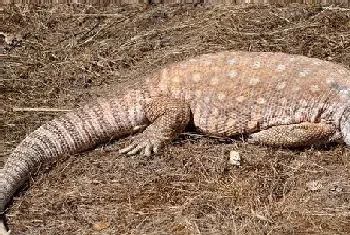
{"x": 64, "y": 56}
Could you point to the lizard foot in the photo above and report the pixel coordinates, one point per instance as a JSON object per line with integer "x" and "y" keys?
{"x": 168, "y": 118}
{"x": 294, "y": 135}
{"x": 144, "y": 143}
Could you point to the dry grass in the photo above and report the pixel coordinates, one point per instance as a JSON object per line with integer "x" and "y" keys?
{"x": 70, "y": 55}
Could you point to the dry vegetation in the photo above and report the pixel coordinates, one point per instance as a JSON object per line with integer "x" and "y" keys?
{"x": 63, "y": 56}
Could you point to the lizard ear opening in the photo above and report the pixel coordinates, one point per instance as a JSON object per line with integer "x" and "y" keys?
{"x": 345, "y": 126}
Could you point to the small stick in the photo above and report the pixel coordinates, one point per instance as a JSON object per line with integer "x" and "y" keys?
{"x": 17, "y": 109}
{"x": 97, "y": 15}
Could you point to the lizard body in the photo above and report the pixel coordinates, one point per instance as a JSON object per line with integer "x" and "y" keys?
{"x": 274, "y": 98}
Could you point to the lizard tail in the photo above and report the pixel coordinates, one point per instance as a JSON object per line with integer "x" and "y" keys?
{"x": 73, "y": 132}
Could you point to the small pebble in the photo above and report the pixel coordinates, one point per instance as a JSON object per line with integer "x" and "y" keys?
{"x": 235, "y": 158}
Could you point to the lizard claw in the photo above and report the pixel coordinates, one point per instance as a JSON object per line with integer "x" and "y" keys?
{"x": 143, "y": 144}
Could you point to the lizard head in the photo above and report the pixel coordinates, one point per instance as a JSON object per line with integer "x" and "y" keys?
{"x": 345, "y": 125}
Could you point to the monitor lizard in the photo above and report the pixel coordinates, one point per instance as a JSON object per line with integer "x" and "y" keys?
{"x": 273, "y": 98}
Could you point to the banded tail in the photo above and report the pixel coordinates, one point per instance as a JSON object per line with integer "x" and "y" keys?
{"x": 71, "y": 133}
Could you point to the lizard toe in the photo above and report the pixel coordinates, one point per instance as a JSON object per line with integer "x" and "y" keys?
{"x": 148, "y": 150}
{"x": 128, "y": 148}
{"x": 143, "y": 144}
{"x": 136, "y": 150}
{"x": 157, "y": 147}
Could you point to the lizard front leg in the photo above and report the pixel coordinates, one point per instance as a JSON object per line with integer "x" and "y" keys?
{"x": 168, "y": 118}
{"x": 295, "y": 135}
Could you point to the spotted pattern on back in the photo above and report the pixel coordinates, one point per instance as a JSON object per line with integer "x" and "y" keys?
{"x": 234, "y": 92}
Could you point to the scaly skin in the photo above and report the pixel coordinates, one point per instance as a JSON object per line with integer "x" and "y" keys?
{"x": 274, "y": 98}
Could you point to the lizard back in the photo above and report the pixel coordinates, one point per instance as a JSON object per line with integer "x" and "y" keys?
{"x": 234, "y": 92}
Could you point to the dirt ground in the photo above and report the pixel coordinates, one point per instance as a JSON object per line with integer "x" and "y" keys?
{"x": 63, "y": 56}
